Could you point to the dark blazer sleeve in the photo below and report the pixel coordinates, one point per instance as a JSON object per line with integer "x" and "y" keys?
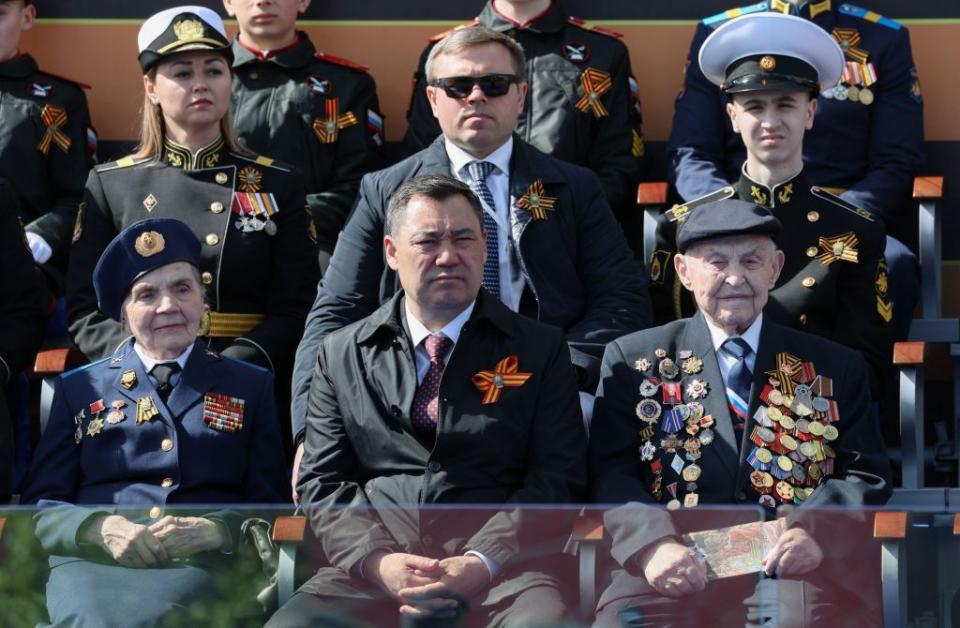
{"x": 349, "y": 290}
{"x": 618, "y": 299}
{"x": 340, "y": 514}
{"x": 616, "y": 473}
{"x": 556, "y": 466}
{"x": 422, "y": 127}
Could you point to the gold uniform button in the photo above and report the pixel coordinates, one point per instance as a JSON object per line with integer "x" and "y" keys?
{"x": 813, "y": 216}
{"x": 221, "y": 178}
{"x": 155, "y": 512}
{"x": 803, "y": 319}
{"x": 812, "y": 251}
{"x": 217, "y": 207}
{"x": 206, "y": 278}
{"x": 212, "y": 239}
{"x": 166, "y": 444}
{"x": 167, "y": 482}
{"x": 808, "y": 282}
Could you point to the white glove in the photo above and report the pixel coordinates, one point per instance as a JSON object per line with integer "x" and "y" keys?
{"x": 39, "y": 248}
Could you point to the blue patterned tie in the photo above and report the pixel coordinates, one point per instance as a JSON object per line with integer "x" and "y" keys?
{"x": 479, "y": 171}
{"x": 738, "y": 381}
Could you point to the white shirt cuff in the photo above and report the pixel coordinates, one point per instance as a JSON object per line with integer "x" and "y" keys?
{"x": 491, "y": 566}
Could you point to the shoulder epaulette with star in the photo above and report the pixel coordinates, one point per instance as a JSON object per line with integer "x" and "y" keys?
{"x": 678, "y": 213}
{"x": 576, "y": 21}
{"x": 260, "y": 160}
{"x": 435, "y": 38}
{"x": 729, "y": 14}
{"x": 347, "y": 63}
{"x": 65, "y": 79}
{"x": 855, "y": 11}
{"x": 836, "y": 200}
{"x": 125, "y": 162}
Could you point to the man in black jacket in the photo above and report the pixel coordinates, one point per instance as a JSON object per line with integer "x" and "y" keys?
{"x": 555, "y": 251}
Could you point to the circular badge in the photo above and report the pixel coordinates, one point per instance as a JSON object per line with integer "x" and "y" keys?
{"x": 767, "y": 501}
{"x": 668, "y": 368}
{"x": 808, "y": 449}
{"x": 785, "y": 491}
{"x": 649, "y": 388}
{"x": 799, "y": 473}
{"x": 642, "y": 365}
{"x": 692, "y": 472}
{"x": 647, "y": 451}
{"x": 774, "y": 414}
{"x": 706, "y": 436}
{"x": 764, "y": 455}
{"x": 695, "y": 409}
{"x": 803, "y": 425}
{"x": 775, "y": 397}
{"x": 766, "y": 434}
{"x": 816, "y": 428}
{"x": 830, "y": 433}
{"x": 787, "y": 422}
{"x": 697, "y": 389}
{"x": 648, "y": 410}
{"x": 820, "y": 404}
{"x": 789, "y": 442}
{"x": 785, "y": 464}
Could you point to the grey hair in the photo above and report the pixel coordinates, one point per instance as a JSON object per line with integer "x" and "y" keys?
{"x": 437, "y": 187}
{"x": 465, "y": 38}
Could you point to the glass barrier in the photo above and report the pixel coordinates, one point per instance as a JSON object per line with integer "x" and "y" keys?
{"x": 628, "y": 565}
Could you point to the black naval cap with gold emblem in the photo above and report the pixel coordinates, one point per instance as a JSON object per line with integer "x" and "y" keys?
{"x": 724, "y": 218}
{"x": 143, "y": 246}
{"x": 181, "y": 29}
{"x": 771, "y": 51}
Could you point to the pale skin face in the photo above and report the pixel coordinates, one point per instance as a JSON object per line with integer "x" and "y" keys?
{"x": 14, "y": 19}
{"x": 163, "y": 310}
{"x": 521, "y": 10}
{"x": 438, "y": 250}
{"x": 193, "y": 91}
{"x": 772, "y": 125}
{"x": 730, "y": 278}
{"x": 477, "y": 124}
{"x": 266, "y": 24}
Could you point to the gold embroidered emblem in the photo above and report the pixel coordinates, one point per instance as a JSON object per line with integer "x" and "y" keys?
{"x": 758, "y": 195}
{"x": 785, "y": 193}
{"x": 768, "y": 63}
{"x": 149, "y": 243}
{"x": 188, "y": 30}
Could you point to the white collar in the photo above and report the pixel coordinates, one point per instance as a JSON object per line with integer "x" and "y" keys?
{"x": 149, "y": 363}
{"x": 751, "y": 335}
{"x": 459, "y": 158}
{"x": 451, "y": 330}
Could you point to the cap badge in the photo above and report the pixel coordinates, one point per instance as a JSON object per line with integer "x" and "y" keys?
{"x": 768, "y": 63}
{"x": 149, "y": 243}
{"x": 188, "y": 30}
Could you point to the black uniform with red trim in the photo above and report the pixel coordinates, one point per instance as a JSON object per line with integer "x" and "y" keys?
{"x": 317, "y": 112}
{"x": 567, "y": 60}
{"x": 47, "y": 146}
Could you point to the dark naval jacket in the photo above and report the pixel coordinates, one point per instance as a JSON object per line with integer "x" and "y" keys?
{"x": 258, "y": 261}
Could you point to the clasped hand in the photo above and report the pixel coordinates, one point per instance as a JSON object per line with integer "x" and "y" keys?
{"x": 428, "y": 585}
{"x": 136, "y": 545}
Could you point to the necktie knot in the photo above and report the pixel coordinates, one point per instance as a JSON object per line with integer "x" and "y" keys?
{"x": 737, "y": 347}
{"x": 437, "y": 346}
{"x": 480, "y": 170}
{"x": 163, "y": 373}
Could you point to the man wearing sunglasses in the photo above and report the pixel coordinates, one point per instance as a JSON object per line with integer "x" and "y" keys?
{"x": 568, "y": 59}
{"x": 555, "y": 251}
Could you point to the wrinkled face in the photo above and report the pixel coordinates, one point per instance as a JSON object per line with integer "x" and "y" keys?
{"x": 772, "y": 124}
{"x": 477, "y": 123}
{"x": 15, "y": 17}
{"x": 266, "y": 19}
{"x": 192, "y": 89}
{"x": 163, "y": 310}
{"x": 730, "y": 278}
{"x": 438, "y": 249}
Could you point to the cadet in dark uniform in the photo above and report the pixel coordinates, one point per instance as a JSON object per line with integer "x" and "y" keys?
{"x": 582, "y": 105}
{"x": 730, "y": 408}
{"x": 46, "y": 142}
{"x": 258, "y": 262}
{"x": 23, "y": 315}
{"x": 164, "y": 422}
{"x": 866, "y": 145}
{"x": 310, "y": 109}
{"x": 835, "y": 280}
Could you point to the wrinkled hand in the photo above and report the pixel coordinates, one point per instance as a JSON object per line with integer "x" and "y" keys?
{"x": 130, "y": 544}
{"x": 297, "y": 457}
{"x": 186, "y": 536}
{"x": 795, "y": 554}
{"x": 673, "y": 569}
{"x": 462, "y": 578}
{"x": 397, "y": 571}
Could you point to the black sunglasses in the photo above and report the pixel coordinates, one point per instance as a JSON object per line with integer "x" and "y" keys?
{"x": 492, "y": 85}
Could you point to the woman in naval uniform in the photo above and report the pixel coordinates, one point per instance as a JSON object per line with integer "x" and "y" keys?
{"x": 258, "y": 262}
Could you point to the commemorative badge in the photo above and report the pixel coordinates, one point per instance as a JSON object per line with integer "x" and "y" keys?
{"x": 535, "y": 201}
{"x": 506, "y": 374}
{"x": 595, "y": 84}
{"x": 146, "y": 410}
{"x": 575, "y": 51}
{"x": 327, "y": 129}
{"x": 54, "y": 118}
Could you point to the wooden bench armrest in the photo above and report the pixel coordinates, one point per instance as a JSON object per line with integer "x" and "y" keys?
{"x": 927, "y": 188}
{"x": 956, "y": 525}
{"x": 654, "y": 193}
{"x": 890, "y": 525}
{"x": 587, "y": 528}
{"x": 55, "y": 361}
{"x": 289, "y": 529}
{"x": 907, "y": 353}
{"x": 3, "y": 524}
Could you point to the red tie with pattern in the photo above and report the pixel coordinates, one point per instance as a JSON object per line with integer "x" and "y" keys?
{"x": 426, "y": 400}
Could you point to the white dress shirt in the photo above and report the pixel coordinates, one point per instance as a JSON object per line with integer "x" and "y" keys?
{"x": 727, "y": 361}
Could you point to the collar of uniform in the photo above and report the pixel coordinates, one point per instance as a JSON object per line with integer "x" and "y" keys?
{"x": 20, "y": 66}
{"x": 389, "y": 318}
{"x": 782, "y": 193}
{"x": 808, "y": 9}
{"x": 500, "y": 158}
{"x": 751, "y": 334}
{"x": 298, "y": 54}
{"x": 149, "y": 363}
{"x": 451, "y": 330}
{"x": 552, "y": 20}
{"x": 180, "y": 156}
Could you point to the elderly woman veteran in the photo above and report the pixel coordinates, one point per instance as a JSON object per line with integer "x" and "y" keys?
{"x": 164, "y": 422}
{"x": 258, "y": 260}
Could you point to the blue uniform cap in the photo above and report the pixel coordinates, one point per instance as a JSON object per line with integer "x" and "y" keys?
{"x": 725, "y": 218}
{"x": 138, "y": 249}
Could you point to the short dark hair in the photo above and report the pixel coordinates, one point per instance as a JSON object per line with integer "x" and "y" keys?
{"x": 437, "y": 187}
{"x": 464, "y": 39}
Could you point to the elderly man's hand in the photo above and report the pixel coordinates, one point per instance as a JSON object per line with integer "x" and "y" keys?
{"x": 795, "y": 554}
{"x": 186, "y": 536}
{"x": 463, "y": 577}
{"x": 130, "y": 544}
{"x": 673, "y": 569}
{"x": 397, "y": 571}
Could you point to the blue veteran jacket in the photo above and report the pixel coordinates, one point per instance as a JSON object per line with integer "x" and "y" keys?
{"x": 182, "y": 455}
{"x": 869, "y": 147}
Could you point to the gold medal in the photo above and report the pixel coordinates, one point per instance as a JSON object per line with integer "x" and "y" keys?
{"x": 95, "y": 426}
{"x": 853, "y": 93}
{"x": 787, "y": 422}
{"x": 788, "y": 442}
{"x": 692, "y": 365}
{"x": 830, "y": 433}
{"x": 764, "y": 455}
{"x": 817, "y": 428}
{"x": 128, "y": 379}
{"x": 785, "y": 463}
{"x": 866, "y": 96}
{"x": 774, "y": 414}
{"x": 785, "y": 491}
{"x": 691, "y": 473}
{"x": 690, "y": 500}
{"x": 775, "y": 397}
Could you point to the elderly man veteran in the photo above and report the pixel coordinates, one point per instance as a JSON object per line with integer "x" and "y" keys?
{"x": 442, "y": 397}
{"x": 728, "y": 407}
{"x": 555, "y": 252}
